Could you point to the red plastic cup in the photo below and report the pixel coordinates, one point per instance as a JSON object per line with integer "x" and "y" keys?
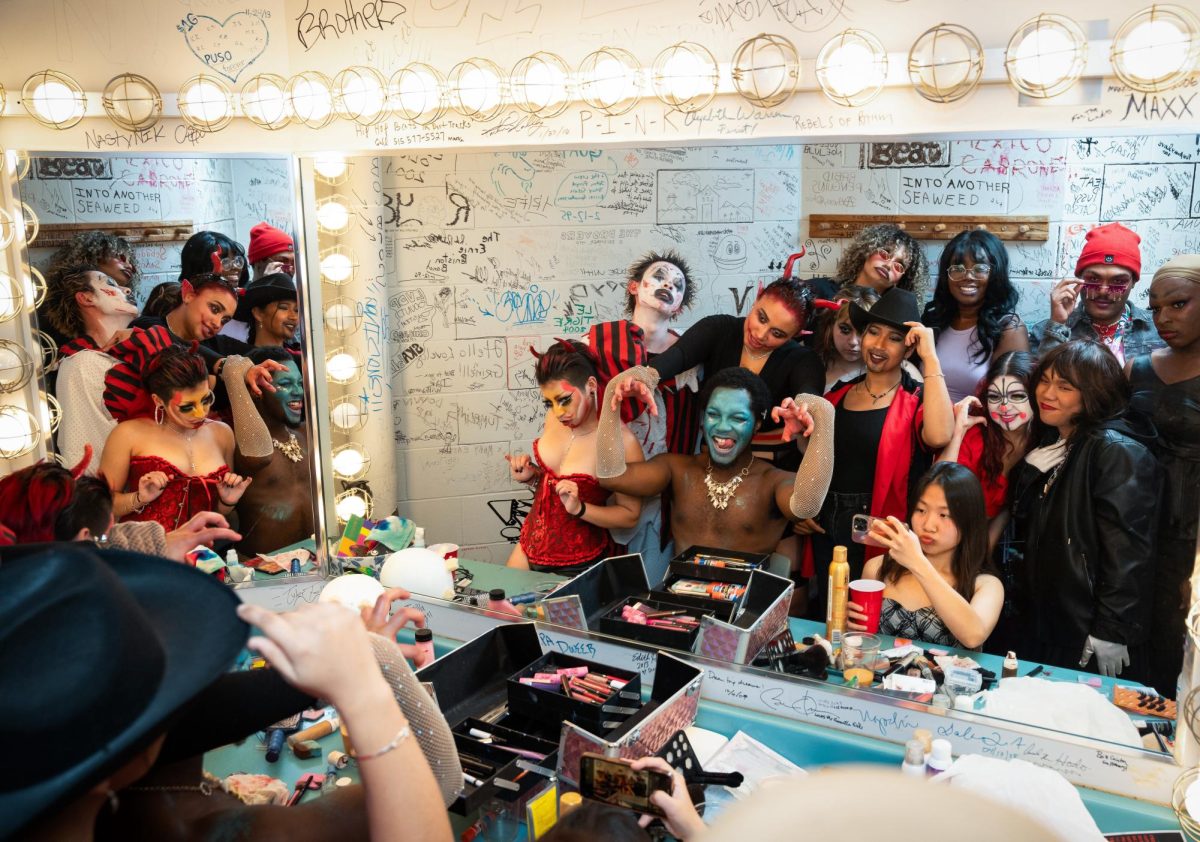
{"x": 869, "y": 594}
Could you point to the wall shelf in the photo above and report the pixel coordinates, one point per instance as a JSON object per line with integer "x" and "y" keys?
{"x": 55, "y": 234}
{"x": 1023, "y": 228}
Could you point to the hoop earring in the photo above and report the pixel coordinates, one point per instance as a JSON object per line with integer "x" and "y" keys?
{"x": 114, "y": 803}
{"x": 160, "y": 414}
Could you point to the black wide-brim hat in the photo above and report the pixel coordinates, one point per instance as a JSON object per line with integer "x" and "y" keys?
{"x": 894, "y": 308}
{"x": 98, "y": 649}
{"x": 261, "y": 292}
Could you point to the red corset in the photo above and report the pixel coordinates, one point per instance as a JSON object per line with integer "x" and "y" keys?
{"x": 550, "y": 536}
{"x": 184, "y": 497}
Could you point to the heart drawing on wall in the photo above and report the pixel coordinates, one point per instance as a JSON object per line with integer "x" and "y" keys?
{"x": 228, "y": 46}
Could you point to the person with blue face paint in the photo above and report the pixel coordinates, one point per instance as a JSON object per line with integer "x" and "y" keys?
{"x": 724, "y": 496}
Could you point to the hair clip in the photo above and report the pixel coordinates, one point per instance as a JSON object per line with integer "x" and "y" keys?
{"x": 240, "y": 292}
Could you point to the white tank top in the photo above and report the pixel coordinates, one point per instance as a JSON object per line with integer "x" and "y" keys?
{"x": 962, "y": 361}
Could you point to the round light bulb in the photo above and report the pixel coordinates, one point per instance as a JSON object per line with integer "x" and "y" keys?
{"x": 342, "y": 367}
{"x": 683, "y": 70}
{"x": 330, "y": 165}
{"x": 478, "y": 90}
{"x": 1155, "y": 49}
{"x": 610, "y": 80}
{"x": 312, "y": 101}
{"x": 1044, "y": 56}
{"x": 267, "y": 104}
{"x": 544, "y": 84}
{"x": 19, "y": 432}
{"x": 340, "y": 317}
{"x": 349, "y": 461}
{"x": 56, "y": 102}
{"x": 850, "y": 69}
{"x": 333, "y": 216}
{"x": 361, "y": 96}
{"x": 351, "y": 505}
{"x": 416, "y": 93}
{"x": 336, "y": 268}
{"x": 346, "y": 415}
{"x": 207, "y": 101}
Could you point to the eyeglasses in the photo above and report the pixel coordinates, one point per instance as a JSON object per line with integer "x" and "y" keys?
{"x": 978, "y": 272}
{"x": 892, "y": 262}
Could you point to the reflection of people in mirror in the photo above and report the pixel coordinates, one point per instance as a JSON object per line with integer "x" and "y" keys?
{"x": 272, "y": 448}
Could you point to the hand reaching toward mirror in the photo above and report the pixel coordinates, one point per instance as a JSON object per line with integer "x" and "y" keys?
{"x": 205, "y": 528}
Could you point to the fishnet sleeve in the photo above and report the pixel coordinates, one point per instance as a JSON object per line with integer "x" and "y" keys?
{"x": 249, "y": 429}
{"x": 812, "y": 480}
{"x": 140, "y": 536}
{"x": 610, "y": 447}
{"x": 426, "y": 721}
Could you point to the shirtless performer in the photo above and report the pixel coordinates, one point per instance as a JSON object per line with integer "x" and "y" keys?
{"x": 272, "y": 446}
{"x": 725, "y": 497}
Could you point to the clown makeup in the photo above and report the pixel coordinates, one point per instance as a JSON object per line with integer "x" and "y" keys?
{"x": 846, "y": 340}
{"x": 661, "y": 288}
{"x": 189, "y": 407}
{"x": 567, "y": 401}
{"x": 109, "y": 296}
{"x": 1008, "y": 403}
{"x": 286, "y": 403}
{"x": 728, "y": 425}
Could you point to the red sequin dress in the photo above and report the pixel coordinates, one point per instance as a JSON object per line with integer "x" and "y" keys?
{"x": 184, "y": 497}
{"x": 552, "y": 537}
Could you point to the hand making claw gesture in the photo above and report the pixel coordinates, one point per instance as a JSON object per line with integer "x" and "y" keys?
{"x": 794, "y": 417}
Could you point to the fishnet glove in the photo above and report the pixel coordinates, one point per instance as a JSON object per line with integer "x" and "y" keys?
{"x": 140, "y": 536}
{"x": 610, "y": 447}
{"x": 249, "y": 429}
{"x": 426, "y": 721}
{"x": 816, "y": 471}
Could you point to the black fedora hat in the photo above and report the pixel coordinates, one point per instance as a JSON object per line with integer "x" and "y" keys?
{"x": 894, "y": 308}
{"x": 98, "y": 649}
{"x": 262, "y": 291}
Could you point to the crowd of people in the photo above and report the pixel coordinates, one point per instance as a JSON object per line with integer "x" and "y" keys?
{"x": 1028, "y": 489}
{"x": 189, "y": 410}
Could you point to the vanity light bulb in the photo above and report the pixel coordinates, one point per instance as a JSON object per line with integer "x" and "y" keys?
{"x": 360, "y": 96}
{"x": 610, "y": 81}
{"x": 207, "y": 101}
{"x": 682, "y": 73}
{"x": 342, "y": 367}
{"x": 330, "y": 165}
{"x": 1155, "y": 49}
{"x": 850, "y": 69}
{"x": 478, "y": 90}
{"x": 267, "y": 105}
{"x": 347, "y": 415}
{"x": 336, "y": 268}
{"x": 341, "y": 316}
{"x": 56, "y": 102}
{"x": 1045, "y": 56}
{"x": 333, "y": 217}
{"x": 312, "y": 101}
{"x": 351, "y": 505}
{"x": 349, "y": 461}
{"x": 19, "y": 432}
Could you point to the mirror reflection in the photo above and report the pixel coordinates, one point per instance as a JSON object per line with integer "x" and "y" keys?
{"x": 171, "y": 298}
{"x": 977, "y": 376}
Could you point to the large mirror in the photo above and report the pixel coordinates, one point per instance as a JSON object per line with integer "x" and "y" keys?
{"x": 143, "y": 256}
{"x": 446, "y": 275}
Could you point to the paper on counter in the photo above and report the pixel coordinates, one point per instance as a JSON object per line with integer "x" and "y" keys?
{"x": 755, "y": 761}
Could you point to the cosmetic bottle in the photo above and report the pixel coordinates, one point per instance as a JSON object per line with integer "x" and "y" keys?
{"x": 839, "y": 592}
{"x": 498, "y": 602}
{"x": 425, "y": 654}
{"x": 418, "y": 536}
{"x": 939, "y": 759}
{"x": 914, "y": 759}
{"x": 231, "y": 558}
{"x": 1010, "y": 667}
{"x": 567, "y": 802}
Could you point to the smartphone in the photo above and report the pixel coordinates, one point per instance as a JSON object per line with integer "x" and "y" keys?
{"x": 613, "y": 781}
{"x": 860, "y": 530}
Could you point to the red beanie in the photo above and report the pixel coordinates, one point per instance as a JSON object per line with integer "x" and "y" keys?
{"x": 266, "y": 241}
{"x": 1111, "y": 245}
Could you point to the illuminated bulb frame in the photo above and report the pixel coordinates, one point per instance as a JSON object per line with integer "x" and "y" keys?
{"x": 355, "y": 319}
{"x": 454, "y": 89}
{"x": 313, "y": 78}
{"x": 117, "y": 92}
{"x": 32, "y": 225}
{"x": 189, "y": 113}
{"x": 879, "y": 61}
{"x": 1041, "y": 90}
{"x": 590, "y": 87}
{"x": 346, "y": 253}
{"x": 335, "y": 199}
{"x": 52, "y": 410}
{"x": 8, "y": 229}
{"x": 11, "y": 290}
{"x": 935, "y": 92}
{"x": 519, "y": 84}
{"x": 25, "y": 367}
{"x": 1187, "y": 24}
{"x": 17, "y": 163}
{"x": 360, "y": 493}
{"x": 25, "y": 418}
{"x": 418, "y": 69}
{"x": 744, "y": 77}
{"x": 360, "y": 365}
{"x": 78, "y": 98}
{"x": 709, "y": 75}
{"x": 49, "y": 349}
{"x": 332, "y": 180}
{"x": 363, "y": 469}
{"x": 35, "y": 288}
{"x": 339, "y": 96}
{"x": 251, "y": 93}
{"x": 359, "y": 407}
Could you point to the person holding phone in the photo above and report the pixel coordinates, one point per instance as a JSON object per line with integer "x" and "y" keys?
{"x": 935, "y": 587}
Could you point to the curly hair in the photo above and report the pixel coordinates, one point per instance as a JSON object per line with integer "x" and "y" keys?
{"x": 827, "y": 320}
{"x": 739, "y": 379}
{"x": 1000, "y": 297}
{"x": 649, "y": 259}
{"x": 60, "y": 307}
{"x": 91, "y": 248}
{"x": 889, "y": 238}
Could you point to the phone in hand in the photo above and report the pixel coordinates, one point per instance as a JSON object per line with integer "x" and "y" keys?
{"x": 860, "y": 530}
{"x": 612, "y": 780}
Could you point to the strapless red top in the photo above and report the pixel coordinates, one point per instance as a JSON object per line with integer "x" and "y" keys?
{"x": 552, "y": 537}
{"x": 184, "y": 497}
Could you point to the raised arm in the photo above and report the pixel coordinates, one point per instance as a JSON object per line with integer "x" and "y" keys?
{"x": 692, "y": 348}
{"x": 800, "y": 496}
{"x": 937, "y": 427}
{"x": 641, "y": 479}
{"x": 254, "y": 448}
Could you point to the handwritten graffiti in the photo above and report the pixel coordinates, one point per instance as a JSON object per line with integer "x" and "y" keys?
{"x": 579, "y": 317}
{"x": 514, "y": 518}
{"x": 519, "y": 308}
{"x": 924, "y": 154}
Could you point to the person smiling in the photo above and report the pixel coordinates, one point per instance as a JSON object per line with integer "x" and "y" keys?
{"x": 1166, "y": 387}
{"x": 566, "y": 529}
{"x": 1107, "y": 269}
{"x": 177, "y": 463}
{"x": 935, "y": 588}
{"x": 1085, "y": 507}
{"x": 973, "y": 312}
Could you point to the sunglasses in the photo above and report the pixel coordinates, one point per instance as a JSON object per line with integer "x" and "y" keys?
{"x": 892, "y": 262}
{"x": 1093, "y": 286}
{"x": 978, "y": 272}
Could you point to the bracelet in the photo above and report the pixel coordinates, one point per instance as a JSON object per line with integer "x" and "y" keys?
{"x": 139, "y": 505}
{"x": 582, "y": 510}
{"x": 401, "y": 735}
{"x": 939, "y": 374}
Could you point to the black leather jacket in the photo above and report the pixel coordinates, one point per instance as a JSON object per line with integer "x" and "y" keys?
{"x": 1089, "y": 560}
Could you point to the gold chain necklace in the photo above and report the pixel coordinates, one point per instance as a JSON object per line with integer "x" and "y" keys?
{"x": 290, "y": 449}
{"x": 755, "y": 356}
{"x": 720, "y": 493}
{"x": 874, "y": 397}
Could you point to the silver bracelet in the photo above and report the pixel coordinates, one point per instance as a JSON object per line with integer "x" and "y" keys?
{"x": 401, "y": 735}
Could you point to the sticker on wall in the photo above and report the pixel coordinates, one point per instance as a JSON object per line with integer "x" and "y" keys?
{"x": 229, "y": 46}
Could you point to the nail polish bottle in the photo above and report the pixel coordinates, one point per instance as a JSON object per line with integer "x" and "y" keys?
{"x": 498, "y": 602}
{"x": 425, "y": 654}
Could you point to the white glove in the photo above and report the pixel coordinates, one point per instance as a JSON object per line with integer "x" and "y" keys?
{"x": 1110, "y": 657}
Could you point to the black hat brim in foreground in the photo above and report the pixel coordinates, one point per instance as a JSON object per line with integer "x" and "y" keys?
{"x": 201, "y": 635}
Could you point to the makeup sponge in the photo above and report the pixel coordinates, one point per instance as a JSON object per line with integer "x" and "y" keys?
{"x": 353, "y": 590}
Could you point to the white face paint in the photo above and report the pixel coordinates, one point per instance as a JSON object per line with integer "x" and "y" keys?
{"x": 1008, "y": 402}
{"x": 661, "y": 288}
{"x": 110, "y": 297}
